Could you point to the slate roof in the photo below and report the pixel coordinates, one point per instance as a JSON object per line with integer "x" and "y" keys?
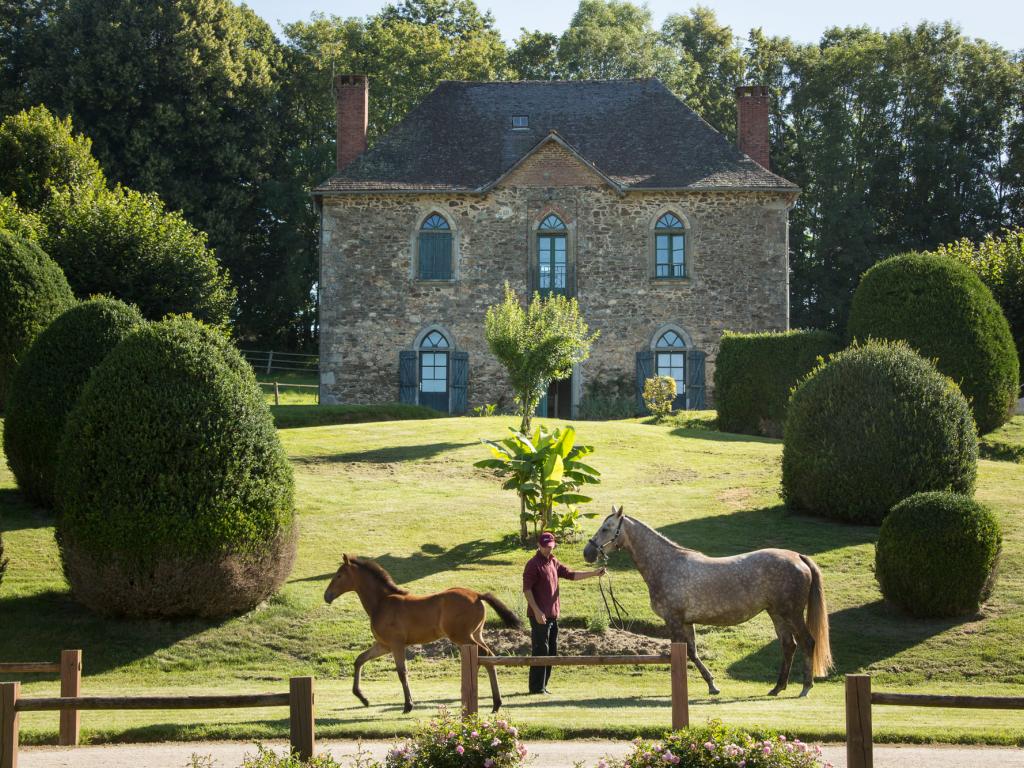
{"x": 634, "y": 132}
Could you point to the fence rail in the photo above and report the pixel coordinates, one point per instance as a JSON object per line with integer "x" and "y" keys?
{"x": 278, "y": 384}
{"x": 676, "y": 659}
{"x": 859, "y": 699}
{"x": 70, "y": 669}
{"x": 268, "y": 361}
{"x": 299, "y": 700}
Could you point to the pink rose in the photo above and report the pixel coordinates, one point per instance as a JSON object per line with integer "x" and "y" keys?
{"x": 460, "y": 749}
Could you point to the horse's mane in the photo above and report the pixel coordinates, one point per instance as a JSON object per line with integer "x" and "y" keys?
{"x": 660, "y": 535}
{"x": 377, "y": 571}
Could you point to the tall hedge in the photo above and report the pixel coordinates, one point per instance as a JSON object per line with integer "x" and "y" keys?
{"x": 33, "y": 291}
{"x": 872, "y": 426}
{"x": 945, "y": 312}
{"x": 47, "y": 385}
{"x": 755, "y": 373}
{"x": 175, "y": 497}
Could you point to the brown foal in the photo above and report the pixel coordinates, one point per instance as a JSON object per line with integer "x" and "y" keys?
{"x": 399, "y": 619}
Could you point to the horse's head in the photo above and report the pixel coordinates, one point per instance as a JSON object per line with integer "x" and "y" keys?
{"x": 608, "y": 537}
{"x": 343, "y": 581}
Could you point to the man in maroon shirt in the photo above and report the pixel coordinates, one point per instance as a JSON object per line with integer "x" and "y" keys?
{"x": 540, "y": 585}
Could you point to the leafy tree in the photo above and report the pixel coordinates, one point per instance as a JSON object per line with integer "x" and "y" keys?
{"x": 547, "y": 473}
{"x": 534, "y": 56}
{"x": 24, "y": 224}
{"x": 708, "y": 49}
{"x": 126, "y": 244}
{"x": 537, "y": 345}
{"x": 39, "y": 153}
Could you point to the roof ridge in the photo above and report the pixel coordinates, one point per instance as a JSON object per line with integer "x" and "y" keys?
{"x": 553, "y": 82}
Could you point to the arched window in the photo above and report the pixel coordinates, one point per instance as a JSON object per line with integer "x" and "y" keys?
{"x": 669, "y": 247}
{"x": 434, "y": 249}
{"x": 552, "y": 266}
{"x": 670, "y": 360}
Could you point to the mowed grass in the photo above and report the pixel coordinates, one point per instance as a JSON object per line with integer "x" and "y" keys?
{"x": 406, "y": 494}
{"x": 294, "y": 387}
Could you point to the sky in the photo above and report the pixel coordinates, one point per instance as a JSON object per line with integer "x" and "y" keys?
{"x": 998, "y": 21}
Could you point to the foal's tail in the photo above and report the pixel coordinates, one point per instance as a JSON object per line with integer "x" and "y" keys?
{"x": 506, "y": 614}
{"x": 817, "y": 621}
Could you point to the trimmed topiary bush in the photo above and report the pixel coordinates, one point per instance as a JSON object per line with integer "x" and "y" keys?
{"x": 755, "y": 373}
{"x": 175, "y": 497}
{"x": 47, "y": 384}
{"x": 937, "y": 554}
{"x": 33, "y": 291}
{"x": 945, "y": 312}
{"x": 875, "y": 424}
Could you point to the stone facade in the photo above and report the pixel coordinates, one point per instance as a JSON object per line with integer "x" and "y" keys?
{"x": 372, "y": 306}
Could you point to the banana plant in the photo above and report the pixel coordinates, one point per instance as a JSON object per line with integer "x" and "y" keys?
{"x": 547, "y": 472}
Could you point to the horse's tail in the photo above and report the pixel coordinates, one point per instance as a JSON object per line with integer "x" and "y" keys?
{"x": 506, "y": 614}
{"x": 817, "y": 621}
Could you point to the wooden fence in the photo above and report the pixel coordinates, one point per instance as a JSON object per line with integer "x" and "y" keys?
{"x": 859, "y": 698}
{"x": 70, "y": 669}
{"x": 299, "y": 700}
{"x": 268, "y": 361}
{"x": 278, "y": 384}
{"x": 472, "y": 661}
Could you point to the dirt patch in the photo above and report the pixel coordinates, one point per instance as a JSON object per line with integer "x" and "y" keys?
{"x": 735, "y": 497}
{"x": 572, "y": 641}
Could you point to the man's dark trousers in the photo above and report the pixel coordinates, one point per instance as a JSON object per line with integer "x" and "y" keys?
{"x": 545, "y": 643}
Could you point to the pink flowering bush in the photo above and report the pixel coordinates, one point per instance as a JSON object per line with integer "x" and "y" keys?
{"x": 721, "y": 747}
{"x": 449, "y": 741}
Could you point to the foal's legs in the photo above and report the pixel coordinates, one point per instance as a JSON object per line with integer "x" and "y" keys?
{"x": 690, "y": 638}
{"x": 785, "y": 633}
{"x": 374, "y": 651}
{"x": 398, "y": 652}
{"x": 478, "y": 638}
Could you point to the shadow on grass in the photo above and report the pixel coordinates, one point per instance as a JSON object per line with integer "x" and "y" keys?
{"x": 17, "y": 513}
{"x": 722, "y": 437}
{"x": 433, "y": 558}
{"x": 774, "y": 526}
{"x": 43, "y": 624}
{"x": 860, "y": 637}
{"x": 389, "y": 455}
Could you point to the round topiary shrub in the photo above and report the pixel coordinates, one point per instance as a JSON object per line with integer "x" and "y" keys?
{"x": 945, "y": 312}
{"x": 175, "y": 497}
{"x": 937, "y": 554}
{"x": 872, "y": 426}
{"x": 33, "y": 291}
{"x": 48, "y": 382}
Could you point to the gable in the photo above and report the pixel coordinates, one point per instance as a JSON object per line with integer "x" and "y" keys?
{"x": 552, "y": 165}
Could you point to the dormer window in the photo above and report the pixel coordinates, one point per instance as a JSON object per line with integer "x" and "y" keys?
{"x": 520, "y": 121}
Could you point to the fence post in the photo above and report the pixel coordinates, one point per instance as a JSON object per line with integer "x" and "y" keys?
{"x": 301, "y": 717}
{"x": 277, "y": 394}
{"x": 470, "y": 655}
{"x": 858, "y": 722}
{"x": 270, "y": 360}
{"x": 9, "y": 724}
{"x": 70, "y": 686}
{"x": 680, "y": 694}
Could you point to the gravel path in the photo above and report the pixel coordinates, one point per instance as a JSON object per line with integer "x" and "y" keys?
{"x": 548, "y": 754}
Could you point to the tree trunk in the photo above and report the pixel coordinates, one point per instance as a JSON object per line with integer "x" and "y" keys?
{"x": 524, "y": 535}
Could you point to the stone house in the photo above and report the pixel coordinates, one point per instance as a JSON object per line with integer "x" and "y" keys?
{"x": 613, "y": 192}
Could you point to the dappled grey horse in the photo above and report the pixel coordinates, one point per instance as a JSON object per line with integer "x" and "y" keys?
{"x": 690, "y": 588}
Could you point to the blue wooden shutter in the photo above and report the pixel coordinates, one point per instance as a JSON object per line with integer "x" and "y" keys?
{"x": 459, "y": 379}
{"x": 695, "y": 380}
{"x": 407, "y": 377}
{"x": 644, "y": 371}
{"x": 435, "y": 256}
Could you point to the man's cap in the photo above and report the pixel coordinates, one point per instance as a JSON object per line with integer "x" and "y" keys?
{"x": 546, "y": 539}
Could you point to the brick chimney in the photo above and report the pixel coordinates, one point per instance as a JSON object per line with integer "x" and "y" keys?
{"x": 352, "y": 100}
{"x": 752, "y": 122}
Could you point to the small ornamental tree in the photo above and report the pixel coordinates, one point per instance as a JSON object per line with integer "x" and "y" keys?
{"x": 33, "y": 291}
{"x": 537, "y": 345}
{"x": 47, "y": 385}
{"x": 659, "y": 392}
{"x": 23, "y": 224}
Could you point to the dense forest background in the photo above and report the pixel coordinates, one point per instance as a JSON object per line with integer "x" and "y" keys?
{"x": 901, "y": 140}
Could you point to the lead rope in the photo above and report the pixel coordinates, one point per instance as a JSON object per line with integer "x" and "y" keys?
{"x": 619, "y": 608}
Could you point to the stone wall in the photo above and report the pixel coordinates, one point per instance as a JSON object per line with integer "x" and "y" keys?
{"x": 371, "y": 306}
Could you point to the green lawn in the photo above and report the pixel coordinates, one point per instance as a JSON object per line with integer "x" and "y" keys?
{"x": 293, "y": 387}
{"x": 406, "y": 494}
